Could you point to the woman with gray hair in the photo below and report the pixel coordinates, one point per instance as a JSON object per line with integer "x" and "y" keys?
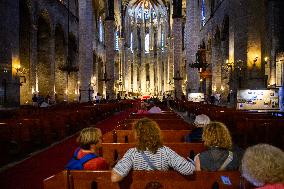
{"x": 263, "y": 166}
{"x": 196, "y": 135}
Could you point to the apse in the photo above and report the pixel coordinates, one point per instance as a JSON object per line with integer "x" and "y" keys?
{"x": 146, "y": 32}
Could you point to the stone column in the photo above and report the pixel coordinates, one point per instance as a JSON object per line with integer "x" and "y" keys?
{"x": 273, "y": 14}
{"x": 85, "y": 47}
{"x": 33, "y": 55}
{"x": 191, "y": 41}
{"x": 152, "y": 72}
{"x": 52, "y": 64}
{"x": 216, "y": 66}
{"x": 109, "y": 37}
{"x": 110, "y": 53}
{"x": 170, "y": 66}
{"x": 135, "y": 73}
{"x": 177, "y": 35}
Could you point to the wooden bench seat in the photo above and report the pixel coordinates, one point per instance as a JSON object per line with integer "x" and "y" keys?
{"x": 126, "y": 136}
{"x": 139, "y": 180}
{"x": 114, "y": 151}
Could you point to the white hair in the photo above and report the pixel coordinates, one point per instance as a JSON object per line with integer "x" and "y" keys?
{"x": 201, "y": 120}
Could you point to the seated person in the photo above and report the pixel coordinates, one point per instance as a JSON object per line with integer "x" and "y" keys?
{"x": 143, "y": 109}
{"x": 263, "y": 166}
{"x": 90, "y": 140}
{"x": 154, "y": 109}
{"x": 149, "y": 153}
{"x": 220, "y": 155}
{"x": 196, "y": 135}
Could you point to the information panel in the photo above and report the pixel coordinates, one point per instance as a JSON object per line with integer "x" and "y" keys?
{"x": 196, "y": 97}
{"x": 258, "y": 99}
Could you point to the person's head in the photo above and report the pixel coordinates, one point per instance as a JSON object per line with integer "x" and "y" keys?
{"x": 148, "y": 135}
{"x": 217, "y": 134}
{"x": 90, "y": 138}
{"x": 143, "y": 106}
{"x": 152, "y": 104}
{"x": 263, "y": 164}
{"x": 201, "y": 120}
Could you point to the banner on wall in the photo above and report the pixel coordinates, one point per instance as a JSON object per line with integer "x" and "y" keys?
{"x": 267, "y": 99}
{"x": 196, "y": 97}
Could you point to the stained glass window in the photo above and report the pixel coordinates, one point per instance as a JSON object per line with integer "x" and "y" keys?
{"x": 162, "y": 41}
{"x": 203, "y": 15}
{"x": 139, "y": 15}
{"x": 147, "y": 42}
{"x": 116, "y": 41}
{"x": 146, "y": 14}
{"x": 101, "y": 34}
{"x": 131, "y": 42}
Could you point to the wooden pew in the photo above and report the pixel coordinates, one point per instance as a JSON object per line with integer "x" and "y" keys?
{"x": 58, "y": 181}
{"x": 139, "y": 180}
{"x": 114, "y": 151}
{"x": 156, "y": 116}
{"x": 164, "y": 124}
{"x": 126, "y": 136}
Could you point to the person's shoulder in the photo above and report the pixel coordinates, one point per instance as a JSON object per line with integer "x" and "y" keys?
{"x": 273, "y": 186}
{"x": 131, "y": 150}
{"x": 205, "y": 153}
{"x": 98, "y": 163}
{"x": 166, "y": 149}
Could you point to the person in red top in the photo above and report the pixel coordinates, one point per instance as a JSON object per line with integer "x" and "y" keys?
{"x": 263, "y": 166}
{"x": 90, "y": 140}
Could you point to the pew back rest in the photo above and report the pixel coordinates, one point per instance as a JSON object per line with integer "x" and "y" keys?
{"x": 114, "y": 151}
{"x": 139, "y": 180}
{"x": 127, "y": 136}
{"x": 60, "y": 180}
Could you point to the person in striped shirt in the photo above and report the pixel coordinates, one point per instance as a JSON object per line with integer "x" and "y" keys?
{"x": 149, "y": 153}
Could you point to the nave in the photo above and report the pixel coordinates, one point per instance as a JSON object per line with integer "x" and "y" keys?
{"x": 117, "y": 138}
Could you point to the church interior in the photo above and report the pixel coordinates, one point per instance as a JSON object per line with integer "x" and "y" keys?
{"x": 66, "y": 65}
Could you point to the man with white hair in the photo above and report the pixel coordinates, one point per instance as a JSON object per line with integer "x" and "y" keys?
{"x": 196, "y": 135}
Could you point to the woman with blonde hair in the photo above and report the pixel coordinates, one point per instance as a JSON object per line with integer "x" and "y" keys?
{"x": 220, "y": 155}
{"x": 89, "y": 140}
{"x": 149, "y": 153}
{"x": 263, "y": 166}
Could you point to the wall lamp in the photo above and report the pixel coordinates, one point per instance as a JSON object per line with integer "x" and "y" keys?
{"x": 255, "y": 60}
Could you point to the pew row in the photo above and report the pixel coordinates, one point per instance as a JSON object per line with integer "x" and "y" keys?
{"x": 163, "y": 124}
{"x": 114, "y": 151}
{"x": 127, "y": 136}
{"x": 139, "y": 180}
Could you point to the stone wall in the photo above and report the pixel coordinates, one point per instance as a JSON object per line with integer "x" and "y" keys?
{"x": 31, "y": 43}
{"x": 9, "y": 53}
{"x": 246, "y": 38}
